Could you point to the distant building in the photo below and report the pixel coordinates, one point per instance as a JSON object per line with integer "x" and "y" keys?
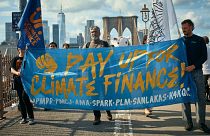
{"x": 22, "y": 5}
{"x": 10, "y": 35}
{"x": 73, "y": 43}
{"x": 140, "y": 35}
{"x": 90, "y": 23}
{"x": 62, "y": 28}
{"x": 55, "y": 32}
{"x": 80, "y": 40}
{"x": 73, "y": 40}
{"x": 46, "y": 31}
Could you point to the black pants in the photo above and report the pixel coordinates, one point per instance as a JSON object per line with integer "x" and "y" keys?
{"x": 97, "y": 113}
{"x": 26, "y": 106}
{"x": 206, "y": 77}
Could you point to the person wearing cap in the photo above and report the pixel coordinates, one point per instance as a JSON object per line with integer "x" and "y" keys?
{"x": 26, "y": 106}
{"x": 206, "y": 69}
{"x": 97, "y": 43}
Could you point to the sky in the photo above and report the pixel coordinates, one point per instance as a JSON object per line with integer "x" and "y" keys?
{"x": 77, "y": 12}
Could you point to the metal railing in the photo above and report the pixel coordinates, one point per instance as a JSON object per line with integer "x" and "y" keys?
{"x": 8, "y": 95}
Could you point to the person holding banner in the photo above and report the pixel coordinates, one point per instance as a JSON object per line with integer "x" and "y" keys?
{"x": 53, "y": 45}
{"x": 196, "y": 56}
{"x": 97, "y": 43}
{"x": 66, "y": 46}
{"x": 145, "y": 38}
{"x": 206, "y": 69}
{"x": 26, "y": 106}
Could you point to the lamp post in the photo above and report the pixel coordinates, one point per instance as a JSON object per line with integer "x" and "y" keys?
{"x": 145, "y": 17}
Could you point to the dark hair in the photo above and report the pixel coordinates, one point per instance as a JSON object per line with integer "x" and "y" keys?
{"x": 190, "y": 22}
{"x": 95, "y": 27}
{"x": 66, "y": 44}
{"x": 206, "y": 39}
{"x": 144, "y": 39}
{"x": 54, "y": 44}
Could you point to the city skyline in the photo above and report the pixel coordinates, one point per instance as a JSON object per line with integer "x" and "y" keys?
{"x": 78, "y": 12}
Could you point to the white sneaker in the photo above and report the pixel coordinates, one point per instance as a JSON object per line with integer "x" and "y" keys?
{"x": 31, "y": 122}
{"x": 148, "y": 112}
{"x": 23, "y": 121}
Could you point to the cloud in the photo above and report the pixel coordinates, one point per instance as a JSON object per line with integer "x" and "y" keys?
{"x": 6, "y": 5}
{"x": 183, "y": 2}
{"x": 191, "y": 4}
{"x": 72, "y": 6}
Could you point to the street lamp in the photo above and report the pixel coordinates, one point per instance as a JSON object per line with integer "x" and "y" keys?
{"x": 145, "y": 16}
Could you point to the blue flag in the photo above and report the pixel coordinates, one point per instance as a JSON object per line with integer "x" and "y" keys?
{"x": 31, "y": 28}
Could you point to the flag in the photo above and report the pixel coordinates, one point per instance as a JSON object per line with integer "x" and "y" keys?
{"x": 30, "y": 26}
{"x": 163, "y": 20}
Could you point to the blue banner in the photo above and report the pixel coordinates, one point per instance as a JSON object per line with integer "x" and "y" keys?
{"x": 131, "y": 77}
{"x": 30, "y": 25}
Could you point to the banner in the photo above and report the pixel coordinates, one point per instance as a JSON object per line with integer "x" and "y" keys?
{"x": 30, "y": 25}
{"x": 119, "y": 78}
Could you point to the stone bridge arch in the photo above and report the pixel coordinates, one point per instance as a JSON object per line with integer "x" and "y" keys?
{"x": 120, "y": 23}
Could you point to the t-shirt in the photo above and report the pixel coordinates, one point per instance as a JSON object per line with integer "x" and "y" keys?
{"x": 206, "y": 65}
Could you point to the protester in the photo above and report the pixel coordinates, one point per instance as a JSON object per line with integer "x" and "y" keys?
{"x": 26, "y": 106}
{"x": 145, "y": 39}
{"x": 53, "y": 45}
{"x": 196, "y": 56}
{"x": 206, "y": 69}
{"x": 66, "y": 45}
{"x": 97, "y": 43}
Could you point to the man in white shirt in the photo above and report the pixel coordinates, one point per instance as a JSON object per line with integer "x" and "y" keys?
{"x": 206, "y": 69}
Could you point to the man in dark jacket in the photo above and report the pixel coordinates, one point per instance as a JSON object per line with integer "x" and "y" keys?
{"x": 196, "y": 56}
{"x": 97, "y": 43}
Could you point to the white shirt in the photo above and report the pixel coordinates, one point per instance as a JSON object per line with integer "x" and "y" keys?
{"x": 206, "y": 65}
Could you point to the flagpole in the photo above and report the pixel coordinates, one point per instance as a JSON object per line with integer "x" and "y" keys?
{"x": 179, "y": 33}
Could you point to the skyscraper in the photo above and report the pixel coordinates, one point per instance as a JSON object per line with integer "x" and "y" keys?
{"x": 62, "y": 28}
{"x": 73, "y": 40}
{"x": 46, "y": 32}
{"x": 22, "y": 4}
{"x": 55, "y": 31}
{"x": 80, "y": 40}
{"x": 10, "y": 35}
{"x": 140, "y": 35}
{"x": 90, "y": 23}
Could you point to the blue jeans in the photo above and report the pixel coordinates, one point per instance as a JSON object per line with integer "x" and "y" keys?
{"x": 197, "y": 76}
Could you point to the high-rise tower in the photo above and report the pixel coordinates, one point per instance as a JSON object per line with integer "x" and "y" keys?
{"x": 55, "y": 31}
{"x": 22, "y": 4}
{"x": 90, "y": 23}
{"x": 62, "y": 28}
{"x": 46, "y": 31}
